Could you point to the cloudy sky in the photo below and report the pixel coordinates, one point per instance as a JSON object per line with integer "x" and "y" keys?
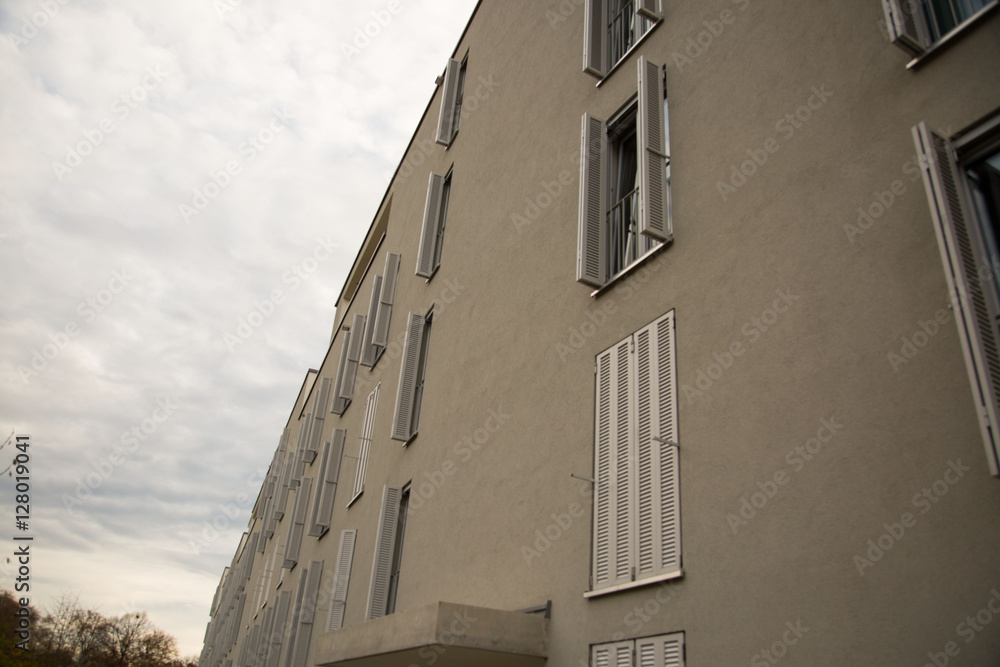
{"x": 166, "y": 169}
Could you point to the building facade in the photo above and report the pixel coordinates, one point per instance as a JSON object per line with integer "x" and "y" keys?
{"x": 673, "y": 341}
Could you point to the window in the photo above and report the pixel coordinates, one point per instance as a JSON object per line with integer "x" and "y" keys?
{"x": 916, "y": 25}
{"x": 432, "y": 232}
{"x": 350, "y": 357}
{"x": 380, "y": 312}
{"x": 451, "y": 101}
{"x": 397, "y": 552}
{"x": 305, "y": 613}
{"x": 381, "y": 598}
{"x": 326, "y": 483}
{"x": 962, "y": 178}
{"x": 611, "y": 28}
{"x": 412, "y": 372}
{"x": 625, "y": 172}
{"x": 662, "y": 651}
{"x": 298, "y": 524}
{"x": 364, "y": 444}
{"x": 636, "y": 462}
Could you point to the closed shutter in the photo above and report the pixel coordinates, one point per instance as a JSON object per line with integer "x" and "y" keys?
{"x": 429, "y": 231}
{"x": 595, "y": 36}
{"x": 974, "y": 297}
{"x": 618, "y": 654}
{"x": 298, "y": 525}
{"x": 381, "y": 337}
{"x": 307, "y": 613}
{"x": 300, "y": 593}
{"x": 319, "y": 415}
{"x": 342, "y": 579}
{"x": 649, "y": 9}
{"x": 403, "y": 416}
{"x": 353, "y": 356}
{"x": 662, "y": 651}
{"x": 591, "y": 241}
{"x": 368, "y": 350}
{"x": 612, "y": 500}
{"x": 340, "y": 404}
{"x": 384, "y": 546}
{"x": 652, "y": 152}
{"x": 278, "y": 628}
{"x": 905, "y": 25}
{"x": 326, "y": 485}
{"x": 449, "y": 97}
{"x": 365, "y": 441}
{"x": 656, "y": 476}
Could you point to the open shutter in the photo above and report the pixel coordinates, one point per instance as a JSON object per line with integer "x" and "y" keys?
{"x": 905, "y": 25}
{"x": 652, "y": 153}
{"x": 403, "y": 417}
{"x": 381, "y": 337}
{"x": 278, "y": 628}
{"x": 300, "y": 594}
{"x": 368, "y": 350}
{"x": 299, "y": 523}
{"x": 319, "y": 415}
{"x": 259, "y": 657}
{"x": 612, "y": 502}
{"x": 662, "y": 651}
{"x": 973, "y": 297}
{"x": 591, "y": 238}
{"x": 307, "y": 613}
{"x": 657, "y": 528}
{"x": 326, "y": 485}
{"x": 429, "y": 231}
{"x": 384, "y": 546}
{"x": 618, "y": 654}
{"x": 340, "y": 404}
{"x": 649, "y": 8}
{"x": 367, "y": 429}
{"x": 286, "y": 480}
{"x": 595, "y": 36}
{"x": 353, "y": 356}
{"x": 342, "y": 579}
{"x": 449, "y": 97}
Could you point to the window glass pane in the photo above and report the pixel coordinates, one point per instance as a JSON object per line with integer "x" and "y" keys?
{"x": 984, "y": 183}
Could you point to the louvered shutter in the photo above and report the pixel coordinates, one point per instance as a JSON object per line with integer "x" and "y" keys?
{"x": 657, "y": 529}
{"x": 365, "y": 441}
{"x": 300, "y": 647}
{"x": 340, "y": 404}
{"x": 326, "y": 489}
{"x": 353, "y": 356}
{"x": 618, "y": 654}
{"x": 590, "y": 258}
{"x": 403, "y": 417}
{"x": 384, "y": 546}
{"x": 300, "y": 593}
{"x": 975, "y": 298}
{"x": 662, "y": 651}
{"x": 368, "y": 349}
{"x": 259, "y": 657}
{"x": 595, "y": 36}
{"x": 429, "y": 231}
{"x": 652, "y": 152}
{"x": 298, "y": 525}
{"x": 319, "y": 415}
{"x": 381, "y": 337}
{"x": 905, "y": 25}
{"x": 612, "y": 499}
{"x": 649, "y": 9}
{"x": 449, "y": 97}
{"x": 278, "y": 628}
{"x": 305, "y": 435}
{"x": 342, "y": 579}
{"x": 286, "y": 481}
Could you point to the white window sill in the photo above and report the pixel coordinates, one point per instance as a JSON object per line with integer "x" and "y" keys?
{"x": 632, "y": 48}
{"x": 675, "y": 574}
{"x": 952, "y": 35}
{"x": 631, "y": 268}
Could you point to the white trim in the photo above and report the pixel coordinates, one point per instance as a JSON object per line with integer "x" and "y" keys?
{"x": 666, "y": 576}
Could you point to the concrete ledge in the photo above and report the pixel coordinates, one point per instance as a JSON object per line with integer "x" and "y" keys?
{"x": 455, "y": 634}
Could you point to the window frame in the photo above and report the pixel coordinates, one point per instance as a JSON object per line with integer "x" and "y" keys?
{"x": 597, "y": 35}
{"x": 911, "y": 32}
{"x": 452, "y": 94}
{"x": 432, "y": 229}
{"x": 412, "y": 377}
